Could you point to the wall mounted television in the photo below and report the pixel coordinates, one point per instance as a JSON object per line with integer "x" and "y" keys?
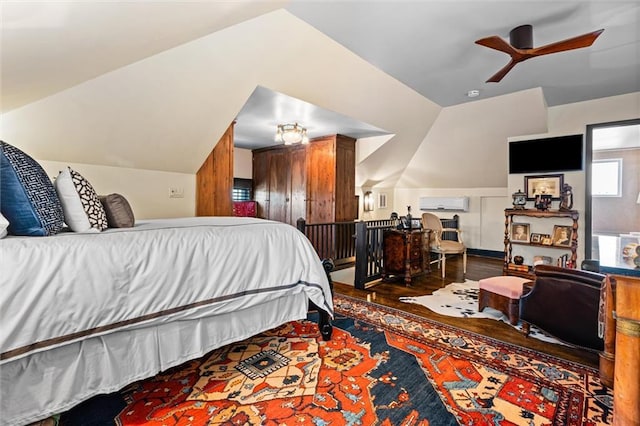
{"x": 556, "y": 154}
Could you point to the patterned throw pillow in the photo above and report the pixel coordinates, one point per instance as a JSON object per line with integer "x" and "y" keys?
{"x": 28, "y": 199}
{"x": 4, "y": 223}
{"x": 82, "y": 208}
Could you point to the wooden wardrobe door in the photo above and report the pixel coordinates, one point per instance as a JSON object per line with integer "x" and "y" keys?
{"x": 345, "y": 191}
{"x": 261, "y": 183}
{"x": 298, "y": 166}
{"x": 279, "y": 188}
{"x": 321, "y": 184}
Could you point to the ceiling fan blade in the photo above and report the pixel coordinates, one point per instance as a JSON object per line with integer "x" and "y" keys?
{"x": 497, "y": 43}
{"x": 584, "y": 40}
{"x": 500, "y": 74}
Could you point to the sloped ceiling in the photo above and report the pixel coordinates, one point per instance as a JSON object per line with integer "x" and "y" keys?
{"x": 167, "y": 111}
{"x": 51, "y": 46}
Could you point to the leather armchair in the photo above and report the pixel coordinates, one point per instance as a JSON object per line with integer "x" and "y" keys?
{"x": 564, "y": 303}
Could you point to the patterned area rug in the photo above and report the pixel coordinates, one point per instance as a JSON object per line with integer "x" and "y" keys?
{"x": 461, "y": 300}
{"x": 381, "y": 367}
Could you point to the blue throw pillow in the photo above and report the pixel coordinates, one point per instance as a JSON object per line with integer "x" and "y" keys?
{"x": 27, "y": 197}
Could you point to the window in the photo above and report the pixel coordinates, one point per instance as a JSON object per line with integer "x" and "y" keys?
{"x": 606, "y": 178}
{"x": 241, "y": 189}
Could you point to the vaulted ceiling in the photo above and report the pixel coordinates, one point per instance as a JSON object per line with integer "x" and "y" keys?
{"x": 151, "y": 84}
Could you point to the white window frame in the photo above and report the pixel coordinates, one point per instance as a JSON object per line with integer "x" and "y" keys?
{"x": 617, "y": 161}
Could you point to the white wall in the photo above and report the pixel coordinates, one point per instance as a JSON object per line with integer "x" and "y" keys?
{"x": 146, "y": 190}
{"x": 482, "y": 225}
{"x": 242, "y": 163}
{"x": 573, "y": 119}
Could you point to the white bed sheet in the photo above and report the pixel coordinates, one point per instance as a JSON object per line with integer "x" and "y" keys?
{"x": 80, "y": 297}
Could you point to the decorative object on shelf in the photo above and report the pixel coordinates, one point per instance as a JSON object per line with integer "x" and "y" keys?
{"x": 519, "y": 200}
{"x": 542, "y": 260}
{"x": 518, "y": 260}
{"x": 566, "y": 199}
{"x": 544, "y": 185}
{"x": 291, "y": 133}
{"x": 543, "y": 202}
{"x": 562, "y": 236}
{"x": 536, "y": 238}
{"x": 368, "y": 201}
{"x": 545, "y": 240}
{"x": 520, "y": 232}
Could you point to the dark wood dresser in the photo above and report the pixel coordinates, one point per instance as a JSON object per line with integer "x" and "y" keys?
{"x": 403, "y": 254}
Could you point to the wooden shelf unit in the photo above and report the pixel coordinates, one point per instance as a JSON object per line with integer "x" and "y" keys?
{"x": 545, "y": 214}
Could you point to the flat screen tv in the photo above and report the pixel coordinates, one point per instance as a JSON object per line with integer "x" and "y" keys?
{"x": 557, "y": 154}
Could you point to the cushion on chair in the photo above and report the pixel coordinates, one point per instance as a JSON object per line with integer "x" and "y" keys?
{"x": 448, "y": 246}
{"x": 504, "y": 285}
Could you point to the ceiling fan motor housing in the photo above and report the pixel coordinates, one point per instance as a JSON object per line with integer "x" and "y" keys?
{"x": 521, "y": 37}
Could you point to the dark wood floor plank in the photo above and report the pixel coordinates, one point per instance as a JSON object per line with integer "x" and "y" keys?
{"x": 388, "y": 293}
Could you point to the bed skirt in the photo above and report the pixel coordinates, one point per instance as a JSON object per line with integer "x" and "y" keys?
{"x": 51, "y": 382}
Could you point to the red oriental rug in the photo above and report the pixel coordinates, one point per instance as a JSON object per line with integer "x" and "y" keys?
{"x": 382, "y": 366}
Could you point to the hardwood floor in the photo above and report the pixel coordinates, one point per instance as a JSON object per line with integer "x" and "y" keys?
{"x": 387, "y": 293}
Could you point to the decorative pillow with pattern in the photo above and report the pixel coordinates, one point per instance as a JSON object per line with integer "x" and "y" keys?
{"x": 28, "y": 199}
{"x": 4, "y": 223}
{"x": 83, "y": 211}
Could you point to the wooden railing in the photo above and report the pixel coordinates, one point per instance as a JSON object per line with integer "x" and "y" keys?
{"x": 356, "y": 243}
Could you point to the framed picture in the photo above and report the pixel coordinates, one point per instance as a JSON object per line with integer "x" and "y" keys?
{"x": 544, "y": 185}
{"x": 562, "y": 235}
{"x": 519, "y": 232}
{"x": 382, "y": 200}
{"x": 545, "y": 239}
{"x": 536, "y": 238}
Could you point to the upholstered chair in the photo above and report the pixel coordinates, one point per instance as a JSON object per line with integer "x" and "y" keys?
{"x": 441, "y": 247}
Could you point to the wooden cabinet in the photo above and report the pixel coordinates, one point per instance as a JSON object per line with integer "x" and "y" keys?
{"x": 315, "y": 181}
{"x": 403, "y": 253}
{"x": 511, "y": 217}
{"x": 214, "y": 179}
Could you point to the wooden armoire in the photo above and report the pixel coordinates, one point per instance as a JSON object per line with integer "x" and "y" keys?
{"x": 314, "y": 181}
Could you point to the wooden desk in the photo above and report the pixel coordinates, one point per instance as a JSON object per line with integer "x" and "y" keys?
{"x": 403, "y": 253}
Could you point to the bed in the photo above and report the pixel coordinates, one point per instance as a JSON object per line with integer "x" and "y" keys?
{"x": 88, "y": 313}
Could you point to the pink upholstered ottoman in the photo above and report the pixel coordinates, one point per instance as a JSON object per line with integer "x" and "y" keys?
{"x": 503, "y": 294}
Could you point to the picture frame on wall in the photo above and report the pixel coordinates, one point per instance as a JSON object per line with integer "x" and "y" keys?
{"x": 538, "y": 185}
{"x": 382, "y": 200}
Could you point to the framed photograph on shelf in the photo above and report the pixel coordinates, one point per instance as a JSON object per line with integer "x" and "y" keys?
{"x": 545, "y": 239}
{"x": 519, "y": 232}
{"x": 536, "y": 238}
{"x": 562, "y": 235}
{"x": 544, "y": 185}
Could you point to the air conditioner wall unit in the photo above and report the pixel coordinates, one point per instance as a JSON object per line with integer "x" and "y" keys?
{"x": 454, "y": 204}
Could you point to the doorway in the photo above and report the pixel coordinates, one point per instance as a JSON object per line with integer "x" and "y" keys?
{"x": 612, "y": 209}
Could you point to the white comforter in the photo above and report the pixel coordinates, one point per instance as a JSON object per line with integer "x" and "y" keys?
{"x": 60, "y": 289}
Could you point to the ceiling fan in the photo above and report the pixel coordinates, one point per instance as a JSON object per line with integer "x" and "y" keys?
{"x": 520, "y": 47}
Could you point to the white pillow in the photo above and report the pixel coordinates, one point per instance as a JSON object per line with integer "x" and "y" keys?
{"x": 81, "y": 213}
{"x": 4, "y": 224}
